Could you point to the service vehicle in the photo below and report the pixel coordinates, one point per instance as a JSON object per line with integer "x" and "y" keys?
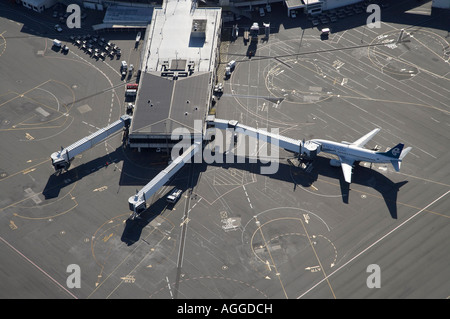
{"x": 174, "y": 195}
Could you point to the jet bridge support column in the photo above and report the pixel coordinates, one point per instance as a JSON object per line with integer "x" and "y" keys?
{"x": 61, "y": 160}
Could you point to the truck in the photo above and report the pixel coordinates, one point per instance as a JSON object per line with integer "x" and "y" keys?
{"x": 131, "y": 91}
{"x": 130, "y": 71}
{"x": 174, "y": 195}
{"x": 229, "y": 68}
{"x": 254, "y": 31}
{"x": 324, "y": 33}
{"x": 57, "y": 44}
{"x": 124, "y": 68}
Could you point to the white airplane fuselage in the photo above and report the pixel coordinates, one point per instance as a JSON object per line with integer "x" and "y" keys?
{"x": 351, "y": 151}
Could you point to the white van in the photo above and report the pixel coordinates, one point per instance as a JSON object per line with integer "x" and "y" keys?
{"x": 57, "y": 43}
{"x": 232, "y": 64}
{"x": 174, "y": 195}
{"x": 325, "y": 31}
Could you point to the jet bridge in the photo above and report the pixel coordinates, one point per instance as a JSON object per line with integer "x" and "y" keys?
{"x": 137, "y": 203}
{"x": 61, "y": 160}
{"x": 305, "y": 150}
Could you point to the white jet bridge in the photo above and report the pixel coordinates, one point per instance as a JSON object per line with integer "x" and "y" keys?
{"x": 137, "y": 203}
{"x": 306, "y": 150}
{"x": 61, "y": 160}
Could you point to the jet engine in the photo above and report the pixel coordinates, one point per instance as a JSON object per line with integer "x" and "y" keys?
{"x": 310, "y": 149}
{"x": 335, "y": 163}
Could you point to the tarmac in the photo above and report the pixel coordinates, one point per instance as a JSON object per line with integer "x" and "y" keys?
{"x": 234, "y": 234}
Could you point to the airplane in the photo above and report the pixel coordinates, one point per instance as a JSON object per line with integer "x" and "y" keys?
{"x": 348, "y": 153}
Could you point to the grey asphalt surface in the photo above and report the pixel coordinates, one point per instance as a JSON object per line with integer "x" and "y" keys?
{"x": 234, "y": 233}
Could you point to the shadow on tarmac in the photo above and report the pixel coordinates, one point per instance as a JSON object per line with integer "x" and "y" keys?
{"x": 157, "y": 204}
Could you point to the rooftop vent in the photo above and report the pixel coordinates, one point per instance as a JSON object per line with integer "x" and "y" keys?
{"x": 198, "y": 29}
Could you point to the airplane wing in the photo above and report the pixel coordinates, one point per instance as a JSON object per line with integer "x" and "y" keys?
{"x": 347, "y": 167}
{"x": 363, "y": 140}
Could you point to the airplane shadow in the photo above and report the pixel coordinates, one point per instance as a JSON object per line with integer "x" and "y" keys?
{"x": 361, "y": 176}
{"x": 364, "y": 176}
{"x": 387, "y": 188}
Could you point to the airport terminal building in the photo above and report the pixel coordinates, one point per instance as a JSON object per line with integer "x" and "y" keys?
{"x": 177, "y": 77}
{"x": 179, "y": 60}
{"x": 307, "y": 6}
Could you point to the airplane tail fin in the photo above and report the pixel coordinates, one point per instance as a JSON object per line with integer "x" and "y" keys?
{"x": 395, "y": 152}
{"x": 397, "y": 163}
{"x": 404, "y": 152}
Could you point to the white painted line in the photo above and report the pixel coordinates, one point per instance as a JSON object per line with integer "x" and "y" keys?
{"x": 38, "y": 268}
{"x": 373, "y": 244}
{"x": 170, "y": 289}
